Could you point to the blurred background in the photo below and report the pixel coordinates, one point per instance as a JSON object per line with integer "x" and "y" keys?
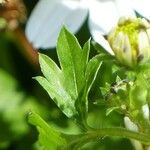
{"x": 20, "y": 93}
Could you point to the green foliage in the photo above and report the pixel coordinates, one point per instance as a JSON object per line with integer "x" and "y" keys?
{"x": 10, "y": 111}
{"x": 75, "y": 80}
{"x": 138, "y": 95}
{"x": 102, "y": 104}
{"x": 49, "y": 138}
{"x": 14, "y": 104}
{"x": 70, "y": 85}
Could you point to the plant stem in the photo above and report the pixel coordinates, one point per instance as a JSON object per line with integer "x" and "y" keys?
{"x": 122, "y": 132}
{"x": 100, "y": 133}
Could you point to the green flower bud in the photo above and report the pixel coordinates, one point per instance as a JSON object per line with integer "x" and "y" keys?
{"x": 130, "y": 41}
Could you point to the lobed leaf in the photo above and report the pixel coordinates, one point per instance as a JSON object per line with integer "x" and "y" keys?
{"x": 70, "y": 84}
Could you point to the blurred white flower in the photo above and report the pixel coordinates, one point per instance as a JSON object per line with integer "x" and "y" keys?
{"x": 142, "y": 7}
{"x": 48, "y": 17}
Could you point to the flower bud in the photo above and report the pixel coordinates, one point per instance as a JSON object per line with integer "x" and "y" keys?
{"x": 130, "y": 41}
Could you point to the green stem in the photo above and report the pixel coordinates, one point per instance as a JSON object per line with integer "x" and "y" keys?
{"x": 122, "y": 132}
{"x": 100, "y": 133}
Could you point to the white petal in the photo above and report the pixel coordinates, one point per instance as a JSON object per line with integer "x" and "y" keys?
{"x": 142, "y": 7}
{"x": 102, "y": 41}
{"x": 125, "y": 8}
{"x": 133, "y": 127}
{"x": 103, "y": 15}
{"x": 146, "y": 112}
{"x": 38, "y": 15}
{"x": 143, "y": 45}
{"x": 129, "y": 124}
{"x": 49, "y": 16}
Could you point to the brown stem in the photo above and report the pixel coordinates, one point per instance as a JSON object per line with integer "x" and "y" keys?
{"x": 26, "y": 48}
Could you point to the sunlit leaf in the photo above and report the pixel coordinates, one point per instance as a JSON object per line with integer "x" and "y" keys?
{"x": 59, "y": 95}
{"x": 70, "y": 84}
{"x": 70, "y": 58}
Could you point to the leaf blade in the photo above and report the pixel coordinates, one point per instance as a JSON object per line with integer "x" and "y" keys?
{"x": 85, "y": 54}
{"x": 49, "y": 137}
{"x": 70, "y": 54}
{"x": 49, "y": 69}
{"x": 92, "y": 70}
{"x": 59, "y": 96}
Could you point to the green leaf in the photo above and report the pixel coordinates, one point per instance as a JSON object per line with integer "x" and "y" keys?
{"x": 12, "y": 121}
{"x": 49, "y": 138}
{"x": 14, "y": 104}
{"x": 90, "y": 75}
{"x": 50, "y": 70}
{"x": 138, "y": 94}
{"x": 110, "y": 110}
{"x": 70, "y": 57}
{"x": 91, "y": 70}
{"x": 53, "y": 84}
{"x": 64, "y": 85}
{"x": 59, "y": 95}
{"x": 69, "y": 85}
{"x": 85, "y": 53}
